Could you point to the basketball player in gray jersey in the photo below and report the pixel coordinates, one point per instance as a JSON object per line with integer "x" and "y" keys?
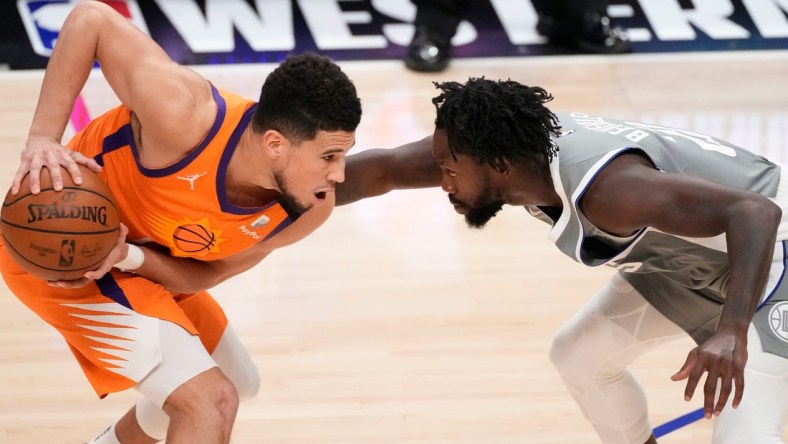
{"x": 696, "y": 228}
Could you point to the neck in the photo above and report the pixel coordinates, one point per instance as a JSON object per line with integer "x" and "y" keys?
{"x": 529, "y": 187}
{"x": 249, "y": 180}
{"x": 246, "y": 169}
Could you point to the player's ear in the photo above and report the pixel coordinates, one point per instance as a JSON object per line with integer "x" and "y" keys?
{"x": 273, "y": 143}
{"x": 504, "y": 167}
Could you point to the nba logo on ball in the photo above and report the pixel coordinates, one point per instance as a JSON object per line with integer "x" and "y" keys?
{"x": 67, "y": 248}
{"x": 44, "y": 18}
{"x": 778, "y": 320}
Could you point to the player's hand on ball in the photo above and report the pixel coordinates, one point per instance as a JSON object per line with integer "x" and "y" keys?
{"x": 117, "y": 254}
{"x": 45, "y": 152}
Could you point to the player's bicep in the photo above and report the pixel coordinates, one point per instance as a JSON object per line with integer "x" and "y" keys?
{"x": 630, "y": 194}
{"x": 143, "y": 76}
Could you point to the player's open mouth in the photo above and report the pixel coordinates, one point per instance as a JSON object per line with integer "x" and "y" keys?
{"x": 321, "y": 196}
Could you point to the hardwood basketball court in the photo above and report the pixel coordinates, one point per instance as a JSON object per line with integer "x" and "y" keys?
{"x": 394, "y": 323}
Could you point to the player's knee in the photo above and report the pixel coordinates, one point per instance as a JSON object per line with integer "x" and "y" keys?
{"x": 565, "y": 348}
{"x": 226, "y": 402}
{"x": 211, "y": 396}
{"x": 581, "y": 352}
{"x": 224, "y": 398}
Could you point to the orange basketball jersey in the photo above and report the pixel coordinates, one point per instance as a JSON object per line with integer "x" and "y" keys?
{"x": 183, "y": 207}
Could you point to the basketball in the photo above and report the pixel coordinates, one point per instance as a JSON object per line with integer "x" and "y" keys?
{"x": 60, "y": 235}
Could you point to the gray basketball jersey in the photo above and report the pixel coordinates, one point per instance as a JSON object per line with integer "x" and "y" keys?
{"x": 685, "y": 278}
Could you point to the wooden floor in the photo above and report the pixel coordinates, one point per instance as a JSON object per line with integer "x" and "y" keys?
{"x": 394, "y": 323}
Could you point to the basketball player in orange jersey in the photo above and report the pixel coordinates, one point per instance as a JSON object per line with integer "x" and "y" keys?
{"x": 207, "y": 184}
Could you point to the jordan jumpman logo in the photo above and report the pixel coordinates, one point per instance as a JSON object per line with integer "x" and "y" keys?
{"x": 192, "y": 178}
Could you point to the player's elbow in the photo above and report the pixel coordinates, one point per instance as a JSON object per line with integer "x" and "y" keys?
{"x": 770, "y": 211}
{"x": 89, "y": 14}
{"x": 765, "y": 214}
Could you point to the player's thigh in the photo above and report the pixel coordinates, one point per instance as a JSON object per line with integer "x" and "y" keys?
{"x": 618, "y": 309}
{"x": 113, "y": 326}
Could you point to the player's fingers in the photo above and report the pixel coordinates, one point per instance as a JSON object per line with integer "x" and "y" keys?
{"x": 76, "y": 283}
{"x": 35, "y": 176}
{"x": 111, "y": 258}
{"x": 97, "y": 274}
{"x": 709, "y": 393}
{"x": 692, "y": 381}
{"x": 685, "y": 369}
{"x": 73, "y": 170}
{"x": 725, "y": 391}
{"x": 56, "y": 174}
{"x": 21, "y": 172}
{"x": 56, "y": 161}
{"x": 87, "y": 161}
{"x": 738, "y": 379}
{"x": 123, "y": 231}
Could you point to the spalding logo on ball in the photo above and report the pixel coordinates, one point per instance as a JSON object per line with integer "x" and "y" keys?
{"x": 60, "y": 235}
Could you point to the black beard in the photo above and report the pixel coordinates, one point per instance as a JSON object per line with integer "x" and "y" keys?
{"x": 478, "y": 216}
{"x": 287, "y": 198}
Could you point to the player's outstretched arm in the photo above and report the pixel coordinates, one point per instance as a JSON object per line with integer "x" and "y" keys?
{"x": 171, "y": 102}
{"x": 378, "y": 171}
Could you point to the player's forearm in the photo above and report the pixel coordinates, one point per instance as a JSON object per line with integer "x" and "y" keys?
{"x": 180, "y": 275}
{"x": 378, "y": 171}
{"x": 751, "y": 237}
{"x": 364, "y": 177}
{"x": 417, "y": 167}
{"x": 67, "y": 71}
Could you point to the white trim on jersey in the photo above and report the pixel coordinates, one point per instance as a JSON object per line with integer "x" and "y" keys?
{"x": 581, "y": 188}
{"x": 781, "y": 199}
{"x": 563, "y": 220}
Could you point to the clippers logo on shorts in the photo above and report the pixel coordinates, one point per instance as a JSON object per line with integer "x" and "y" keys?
{"x": 778, "y": 320}
{"x": 44, "y": 18}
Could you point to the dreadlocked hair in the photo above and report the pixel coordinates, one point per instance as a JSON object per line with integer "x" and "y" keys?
{"x": 497, "y": 122}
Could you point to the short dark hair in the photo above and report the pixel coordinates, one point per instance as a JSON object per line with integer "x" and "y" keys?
{"x": 305, "y": 94}
{"x": 497, "y": 121}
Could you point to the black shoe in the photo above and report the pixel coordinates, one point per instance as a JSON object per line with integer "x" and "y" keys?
{"x": 592, "y": 35}
{"x": 428, "y": 52}
{"x": 596, "y": 36}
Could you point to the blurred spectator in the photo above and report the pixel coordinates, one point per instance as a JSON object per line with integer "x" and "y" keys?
{"x": 581, "y": 25}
